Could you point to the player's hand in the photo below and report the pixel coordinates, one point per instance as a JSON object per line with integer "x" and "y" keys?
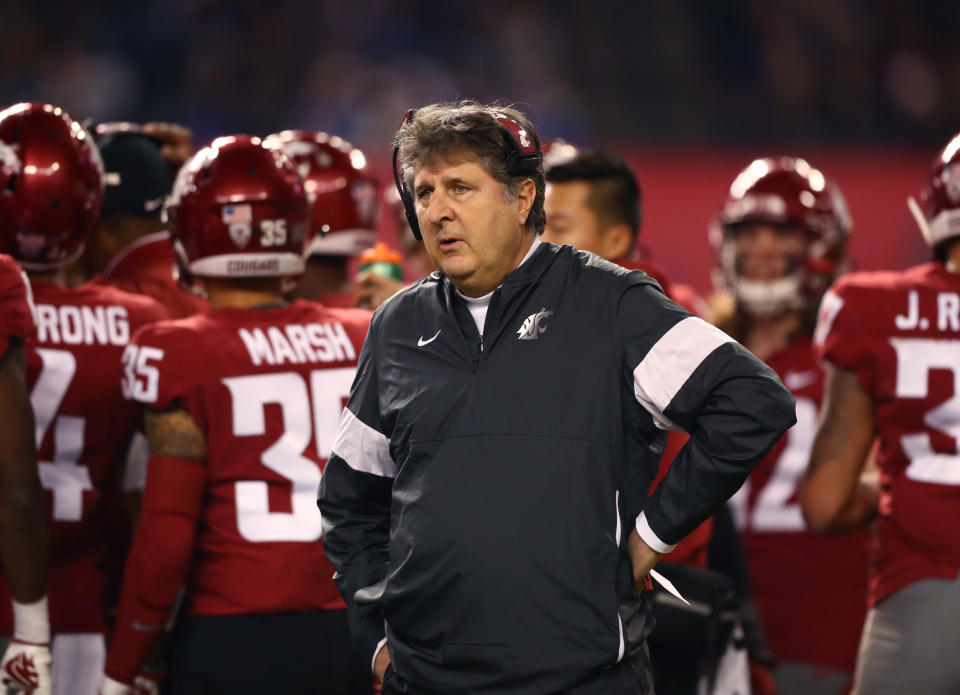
{"x": 112, "y": 687}
{"x": 372, "y": 289}
{"x": 177, "y": 141}
{"x": 147, "y": 684}
{"x": 643, "y": 558}
{"x": 26, "y": 668}
{"x": 381, "y": 662}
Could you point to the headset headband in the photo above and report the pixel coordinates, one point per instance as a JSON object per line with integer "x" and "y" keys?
{"x": 522, "y": 160}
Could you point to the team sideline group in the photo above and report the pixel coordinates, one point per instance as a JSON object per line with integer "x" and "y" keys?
{"x": 180, "y": 331}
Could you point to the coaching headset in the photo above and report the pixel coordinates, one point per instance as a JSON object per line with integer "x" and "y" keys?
{"x": 522, "y": 160}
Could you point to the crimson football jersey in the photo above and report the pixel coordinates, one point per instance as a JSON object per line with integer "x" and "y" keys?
{"x": 146, "y": 267}
{"x": 266, "y": 386}
{"x": 900, "y": 333}
{"x": 811, "y": 589}
{"x": 16, "y": 312}
{"x": 83, "y": 428}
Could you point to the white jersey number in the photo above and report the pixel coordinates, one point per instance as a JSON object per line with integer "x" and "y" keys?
{"x": 250, "y": 395}
{"x": 63, "y": 476}
{"x": 773, "y": 512}
{"x": 916, "y": 357}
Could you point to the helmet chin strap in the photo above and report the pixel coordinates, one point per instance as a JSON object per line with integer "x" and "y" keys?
{"x": 768, "y": 298}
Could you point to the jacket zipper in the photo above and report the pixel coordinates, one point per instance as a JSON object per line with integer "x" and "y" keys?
{"x": 476, "y": 358}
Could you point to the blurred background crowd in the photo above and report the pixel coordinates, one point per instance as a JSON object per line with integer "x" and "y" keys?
{"x": 688, "y": 92}
{"x": 699, "y": 72}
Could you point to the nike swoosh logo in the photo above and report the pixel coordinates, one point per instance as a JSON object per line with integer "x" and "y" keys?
{"x": 422, "y": 342}
{"x": 140, "y": 627}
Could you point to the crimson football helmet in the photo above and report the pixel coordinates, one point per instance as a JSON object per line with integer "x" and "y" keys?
{"x": 238, "y": 209}
{"x": 345, "y": 195}
{"x": 938, "y": 213}
{"x": 51, "y": 185}
{"x": 783, "y": 191}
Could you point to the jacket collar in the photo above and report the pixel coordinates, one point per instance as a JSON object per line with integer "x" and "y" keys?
{"x": 508, "y": 298}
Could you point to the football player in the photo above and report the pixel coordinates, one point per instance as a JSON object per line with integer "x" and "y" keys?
{"x": 780, "y": 239}
{"x": 23, "y": 527}
{"x": 345, "y": 199}
{"x": 242, "y": 405}
{"x": 130, "y": 246}
{"x": 891, "y": 341}
{"x": 83, "y": 424}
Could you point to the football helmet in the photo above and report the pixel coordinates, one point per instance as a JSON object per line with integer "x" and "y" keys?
{"x": 51, "y": 185}
{"x": 238, "y": 209}
{"x": 938, "y": 213}
{"x": 345, "y": 195}
{"x": 783, "y": 191}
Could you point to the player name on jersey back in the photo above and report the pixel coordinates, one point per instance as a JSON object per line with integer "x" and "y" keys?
{"x": 948, "y": 313}
{"x": 298, "y": 344}
{"x": 83, "y": 325}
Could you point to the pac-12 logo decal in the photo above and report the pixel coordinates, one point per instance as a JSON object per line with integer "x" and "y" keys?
{"x": 240, "y": 219}
{"x": 534, "y": 325}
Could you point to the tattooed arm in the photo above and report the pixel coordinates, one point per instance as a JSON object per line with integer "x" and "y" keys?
{"x": 160, "y": 556}
{"x": 174, "y": 433}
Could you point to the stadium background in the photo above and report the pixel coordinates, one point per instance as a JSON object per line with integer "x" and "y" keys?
{"x": 689, "y": 92}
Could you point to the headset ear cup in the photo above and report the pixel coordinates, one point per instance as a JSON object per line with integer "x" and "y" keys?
{"x": 408, "y": 207}
{"x": 411, "y": 214}
{"x": 512, "y": 164}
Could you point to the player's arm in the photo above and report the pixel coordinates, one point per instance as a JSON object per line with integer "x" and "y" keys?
{"x": 23, "y": 523}
{"x": 354, "y": 499}
{"x": 835, "y": 496}
{"x": 23, "y": 529}
{"x": 689, "y": 375}
{"x": 163, "y": 544}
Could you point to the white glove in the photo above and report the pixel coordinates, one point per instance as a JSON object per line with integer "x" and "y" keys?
{"x": 146, "y": 684}
{"x": 112, "y": 687}
{"x": 26, "y": 668}
{"x": 142, "y": 685}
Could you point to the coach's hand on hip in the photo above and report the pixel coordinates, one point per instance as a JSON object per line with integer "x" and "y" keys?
{"x": 381, "y": 662}
{"x": 643, "y": 558}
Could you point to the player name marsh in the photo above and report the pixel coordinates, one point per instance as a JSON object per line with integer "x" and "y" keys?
{"x": 298, "y": 343}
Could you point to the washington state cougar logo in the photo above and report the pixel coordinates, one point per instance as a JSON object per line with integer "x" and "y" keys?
{"x": 20, "y": 671}
{"x": 534, "y": 325}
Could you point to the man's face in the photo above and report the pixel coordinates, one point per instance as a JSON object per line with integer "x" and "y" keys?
{"x": 570, "y": 220}
{"x": 767, "y": 252}
{"x": 473, "y": 233}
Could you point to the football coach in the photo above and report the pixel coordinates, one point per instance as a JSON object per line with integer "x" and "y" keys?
{"x": 485, "y": 504}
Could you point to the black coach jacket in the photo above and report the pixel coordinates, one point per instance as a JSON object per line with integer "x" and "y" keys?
{"x": 479, "y": 499}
